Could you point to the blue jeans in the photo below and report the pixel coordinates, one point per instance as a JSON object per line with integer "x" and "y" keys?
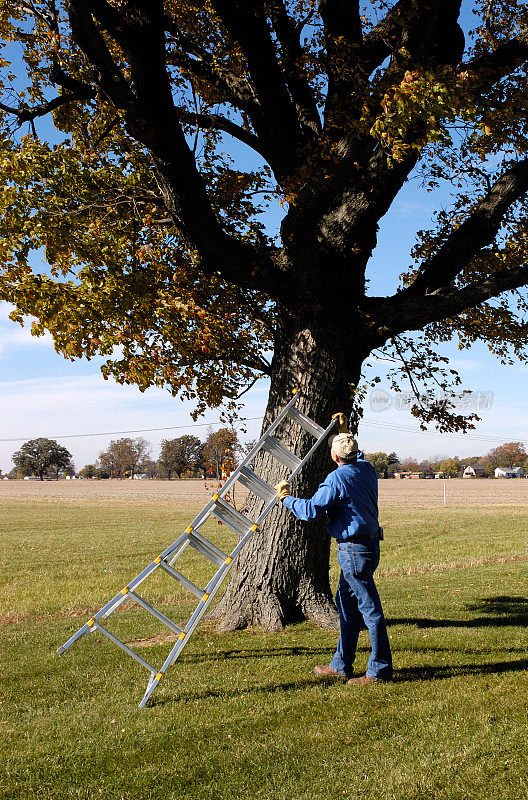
{"x": 357, "y": 599}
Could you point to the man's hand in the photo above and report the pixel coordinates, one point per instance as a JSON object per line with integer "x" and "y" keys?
{"x": 283, "y": 489}
{"x": 341, "y": 422}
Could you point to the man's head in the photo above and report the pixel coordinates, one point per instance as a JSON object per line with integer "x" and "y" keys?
{"x": 343, "y": 448}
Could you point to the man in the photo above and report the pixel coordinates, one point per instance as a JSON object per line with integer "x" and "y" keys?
{"x": 349, "y": 498}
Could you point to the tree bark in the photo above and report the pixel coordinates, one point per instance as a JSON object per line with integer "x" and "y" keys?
{"x": 281, "y": 576}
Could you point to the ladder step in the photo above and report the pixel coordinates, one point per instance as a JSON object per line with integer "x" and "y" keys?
{"x": 181, "y": 579}
{"x": 154, "y": 611}
{"x": 251, "y": 481}
{"x": 305, "y": 422}
{"x": 231, "y": 517}
{"x": 125, "y": 647}
{"x": 207, "y": 548}
{"x": 278, "y": 451}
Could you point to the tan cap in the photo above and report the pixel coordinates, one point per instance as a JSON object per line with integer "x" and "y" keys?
{"x": 344, "y": 445}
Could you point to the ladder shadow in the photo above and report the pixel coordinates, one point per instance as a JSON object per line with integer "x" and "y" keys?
{"x": 224, "y": 694}
{"x": 246, "y": 653}
{"x": 403, "y": 675}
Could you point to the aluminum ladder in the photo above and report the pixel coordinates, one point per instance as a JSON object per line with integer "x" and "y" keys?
{"x": 225, "y": 513}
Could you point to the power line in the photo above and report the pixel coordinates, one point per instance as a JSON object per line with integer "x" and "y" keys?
{"x": 388, "y": 426}
{"x": 139, "y": 430}
{"x": 402, "y": 428}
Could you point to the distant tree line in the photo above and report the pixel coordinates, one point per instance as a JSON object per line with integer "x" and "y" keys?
{"x": 185, "y": 456}
{"x": 510, "y": 454}
{"x": 188, "y": 457}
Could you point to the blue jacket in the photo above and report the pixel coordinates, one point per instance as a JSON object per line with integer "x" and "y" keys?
{"x": 349, "y": 497}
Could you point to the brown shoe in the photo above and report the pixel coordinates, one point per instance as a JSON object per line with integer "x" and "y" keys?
{"x": 328, "y": 672}
{"x": 364, "y": 680}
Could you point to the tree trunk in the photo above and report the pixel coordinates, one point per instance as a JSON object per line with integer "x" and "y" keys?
{"x": 281, "y": 576}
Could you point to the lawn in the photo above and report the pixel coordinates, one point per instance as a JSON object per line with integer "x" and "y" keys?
{"x": 242, "y": 715}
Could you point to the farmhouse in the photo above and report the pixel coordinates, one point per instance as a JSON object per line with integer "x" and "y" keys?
{"x": 509, "y": 472}
{"x": 409, "y": 475}
{"x": 474, "y": 472}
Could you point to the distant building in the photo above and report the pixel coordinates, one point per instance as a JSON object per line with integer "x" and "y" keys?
{"x": 439, "y": 475}
{"x": 509, "y": 472}
{"x": 141, "y": 476}
{"x": 408, "y": 475}
{"x": 474, "y": 472}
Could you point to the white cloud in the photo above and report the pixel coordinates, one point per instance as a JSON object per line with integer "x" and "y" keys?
{"x": 14, "y": 336}
{"x": 64, "y": 407}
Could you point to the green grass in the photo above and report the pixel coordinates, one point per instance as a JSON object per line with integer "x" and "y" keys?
{"x": 242, "y": 715}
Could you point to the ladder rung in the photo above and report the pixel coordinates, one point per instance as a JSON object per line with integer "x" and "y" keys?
{"x": 278, "y": 451}
{"x": 231, "y": 517}
{"x": 125, "y": 647}
{"x": 207, "y": 548}
{"x": 305, "y": 422}
{"x": 181, "y": 579}
{"x": 248, "y": 478}
{"x": 154, "y": 611}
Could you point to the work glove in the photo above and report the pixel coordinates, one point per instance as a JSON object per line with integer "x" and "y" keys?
{"x": 341, "y": 422}
{"x": 283, "y": 489}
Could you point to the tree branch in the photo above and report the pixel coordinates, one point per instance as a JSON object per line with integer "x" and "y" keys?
{"x": 413, "y": 313}
{"x": 26, "y": 114}
{"x": 489, "y": 68}
{"x": 110, "y": 78}
{"x": 150, "y": 118}
{"x": 476, "y": 232}
{"x": 288, "y": 34}
{"x": 343, "y": 37}
{"x": 220, "y": 123}
{"x": 277, "y": 125}
{"x": 232, "y": 88}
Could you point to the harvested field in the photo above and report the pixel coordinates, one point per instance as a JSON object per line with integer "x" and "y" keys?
{"x": 418, "y": 494}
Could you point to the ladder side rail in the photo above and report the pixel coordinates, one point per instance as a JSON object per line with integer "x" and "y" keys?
{"x": 295, "y": 472}
{"x": 253, "y": 452}
{"x": 312, "y": 450}
{"x": 195, "y": 618}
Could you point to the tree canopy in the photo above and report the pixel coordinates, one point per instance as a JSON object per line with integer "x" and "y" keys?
{"x": 510, "y": 454}
{"x": 151, "y": 218}
{"x": 180, "y": 454}
{"x": 219, "y": 452}
{"x": 123, "y": 456}
{"x": 42, "y": 457}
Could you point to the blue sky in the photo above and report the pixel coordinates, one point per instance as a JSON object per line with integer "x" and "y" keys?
{"x": 42, "y": 394}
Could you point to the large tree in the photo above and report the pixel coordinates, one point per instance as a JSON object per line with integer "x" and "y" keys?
{"x": 123, "y": 456}
{"x": 179, "y": 123}
{"x": 180, "y": 454}
{"x": 511, "y": 454}
{"x": 43, "y": 457}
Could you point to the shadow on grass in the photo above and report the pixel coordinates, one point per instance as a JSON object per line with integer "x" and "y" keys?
{"x": 507, "y": 611}
{"x": 225, "y": 694}
{"x": 441, "y": 673}
{"x": 404, "y": 675}
{"x": 245, "y": 653}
